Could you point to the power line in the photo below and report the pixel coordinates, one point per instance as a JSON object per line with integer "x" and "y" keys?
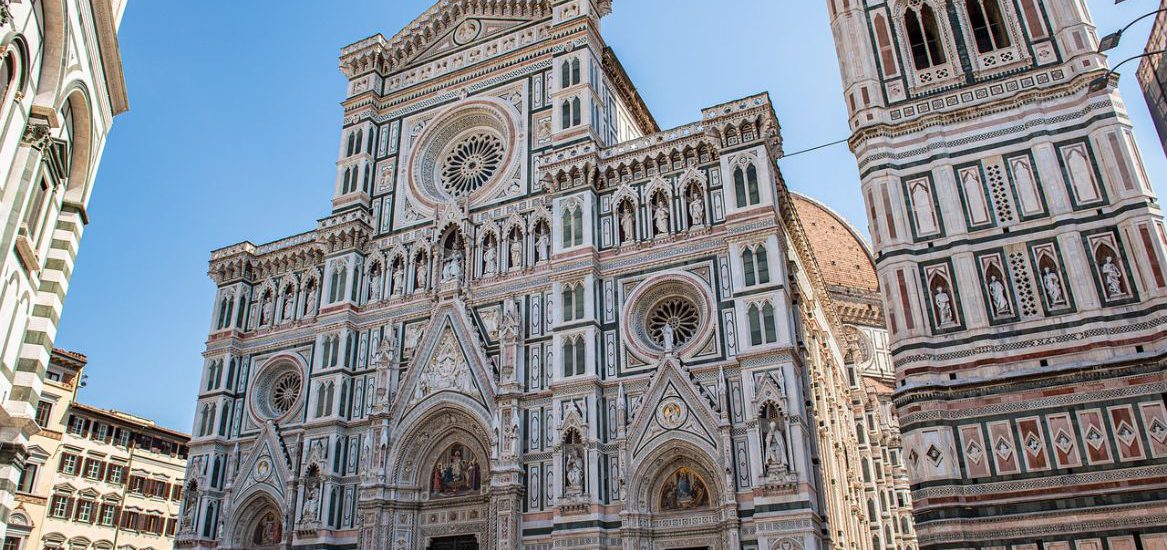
{"x": 788, "y": 155}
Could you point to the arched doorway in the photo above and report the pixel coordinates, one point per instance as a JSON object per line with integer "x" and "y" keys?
{"x": 678, "y": 500}
{"x": 259, "y": 525}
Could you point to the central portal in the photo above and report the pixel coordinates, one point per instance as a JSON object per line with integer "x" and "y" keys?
{"x": 455, "y": 543}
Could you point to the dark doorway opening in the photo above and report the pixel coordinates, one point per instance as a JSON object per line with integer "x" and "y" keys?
{"x": 455, "y": 543}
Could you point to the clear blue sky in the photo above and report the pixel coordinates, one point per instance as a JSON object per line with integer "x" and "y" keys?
{"x": 234, "y": 126}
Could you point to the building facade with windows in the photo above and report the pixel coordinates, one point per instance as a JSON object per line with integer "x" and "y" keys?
{"x": 1020, "y": 251}
{"x": 1152, "y": 74}
{"x": 95, "y": 479}
{"x": 534, "y": 319}
{"x": 60, "y": 87}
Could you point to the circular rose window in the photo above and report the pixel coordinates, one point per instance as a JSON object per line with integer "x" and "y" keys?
{"x": 679, "y": 314}
{"x": 668, "y": 313}
{"x": 277, "y": 390}
{"x": 468, "y": 152}
{"x": 471, "y": 162}
{"x": 285, "y": 392}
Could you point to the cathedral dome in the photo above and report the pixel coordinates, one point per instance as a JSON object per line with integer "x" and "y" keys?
{"x": 843, "y": 256}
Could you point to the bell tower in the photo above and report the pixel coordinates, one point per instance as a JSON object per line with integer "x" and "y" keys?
{"x": 1020, "y": 250}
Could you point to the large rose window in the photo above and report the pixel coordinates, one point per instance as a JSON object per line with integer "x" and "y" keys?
{"x": 668, "y": 313}
{"x": 469, "y": 152}
{"x": 277, "y": 390}
{"x": 679, "y": 314}
{"x": 471, "y": 162}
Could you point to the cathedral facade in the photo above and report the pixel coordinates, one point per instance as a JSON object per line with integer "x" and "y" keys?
{"x": 533, "y": 319}
{"x": 1021, "y": 255}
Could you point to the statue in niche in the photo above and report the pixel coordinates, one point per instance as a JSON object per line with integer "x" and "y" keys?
{"x": 775, "y": 447}
{"x": 943, "y": 305}
{"x": 289, "y": 305}
{"x": 311, "y": 508}
{"x": 423, "y": 273}
{"x": 512, "y": 435}
{"x": 696, "y": 209}
{"x": 627, "y": 224}
{"x": 662, "y": 218}
{"x": 1053, "y": 287}
{"x": 490, "y": 258}
{"x": 1113, "y": 277}
{"x": 997, "y": 294}
{"x": 310, "y": 302}
{"x": 516, "y": 251}
{"x": 542, "y": 245}
{"x": 573, "y": 472}
{"x": 190, "y": 505}
{"x": 398, "y": 280}
{"x": 452, "y": 270}
{"x": 375, "y": 284}
{"x": 267, "y": 310}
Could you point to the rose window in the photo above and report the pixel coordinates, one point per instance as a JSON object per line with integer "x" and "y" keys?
{"x": 679, "y": 313}
{"x": 277, "y": 390}
{"x": 471, "y": 162}
{"x": 285, "y": 391}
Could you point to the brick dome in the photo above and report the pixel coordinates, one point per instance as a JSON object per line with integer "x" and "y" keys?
{"x": 843, "y": 256}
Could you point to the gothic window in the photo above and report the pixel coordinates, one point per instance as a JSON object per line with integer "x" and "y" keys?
{"x": 352, "y": 142}
{"x": 344, "y": 183}
{"x": 339, "y": 280}
{"x": 570, "y": 73}
{"x": 324, "y": 397}
{"x": 755, "y": 265}
{"x": 571, "y": 112}
{"x": 231, "y": 375}
{"x": 214, "y": 374}
{"x": 368, "y": 177}
{"x": 887, "y": 55}
{"x": 573, "y": 356}
{"x": 924, "y": 37}
{"x": 572, "y": 226}
{"x": 565, "y": 112}
{"x": 746, "y": 186}
{"x": 573, "y": 302}
{"x": 761, "y": 319}
{"x": 225, "y": 420}
{"x": 575, "y": 111}
{"x": 988, "y": 25}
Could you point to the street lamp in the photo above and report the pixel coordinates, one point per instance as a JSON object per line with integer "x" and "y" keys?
{"x": 1110, "y": 41}
{"x": 1100, "y": 83}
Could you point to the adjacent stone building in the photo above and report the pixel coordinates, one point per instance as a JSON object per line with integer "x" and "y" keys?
{"x": 60, "y": 87}
{"x": 535, "y": 319}
{"x": 95, "y": 479}
{"x": 1152, "y": 74}
{"x": 1020, "y": 250}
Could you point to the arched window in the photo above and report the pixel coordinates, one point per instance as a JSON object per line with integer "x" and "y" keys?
{"x": 360, "y": 139}
{"x": 572, "y": 351}
{"x": 224, "y": 315}
{"x": 231, "y": 375}
{"x": 565, "y": 74}
{"x": 367, "y": 179}
{"x": 752, "y": 184}
{"x": 225, "y": 420}
{"x": 575, "y": 111}
{"x": 372, "y": 139}
{"x": 352, "y": 141}
{"x": 573, "y": 302}
{"x": 575, "y": 71}
{"x": 343, "y": 400}
{"x": 860, "y": 433}
{"x": 988, "y": 26}
{"x": 739, "y": 186}
{"x": 572, "y": 226}
{"x": 866, "y": 470}
{"x": 872, "y": 514}
{"x": 755, "y": 265}
{"x": 924, "y": 37}
{"x": 566, "y": 112}
{"x": 761, "y": 320}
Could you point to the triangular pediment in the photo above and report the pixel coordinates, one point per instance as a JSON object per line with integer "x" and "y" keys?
{"x": 672, "y": 408}
{"x": 449, "y": 363}
{"x": 467, "y": 31}
{"x": 266, "y": 465}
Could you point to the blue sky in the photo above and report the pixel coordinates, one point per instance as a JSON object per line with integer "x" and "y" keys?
{"x": 234, "y": 126}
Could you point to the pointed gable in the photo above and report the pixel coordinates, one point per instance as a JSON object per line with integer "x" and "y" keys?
{"x": 672, "y": 408}
{"x": 449, "y": 362}
{"x": 267, "y": 466}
